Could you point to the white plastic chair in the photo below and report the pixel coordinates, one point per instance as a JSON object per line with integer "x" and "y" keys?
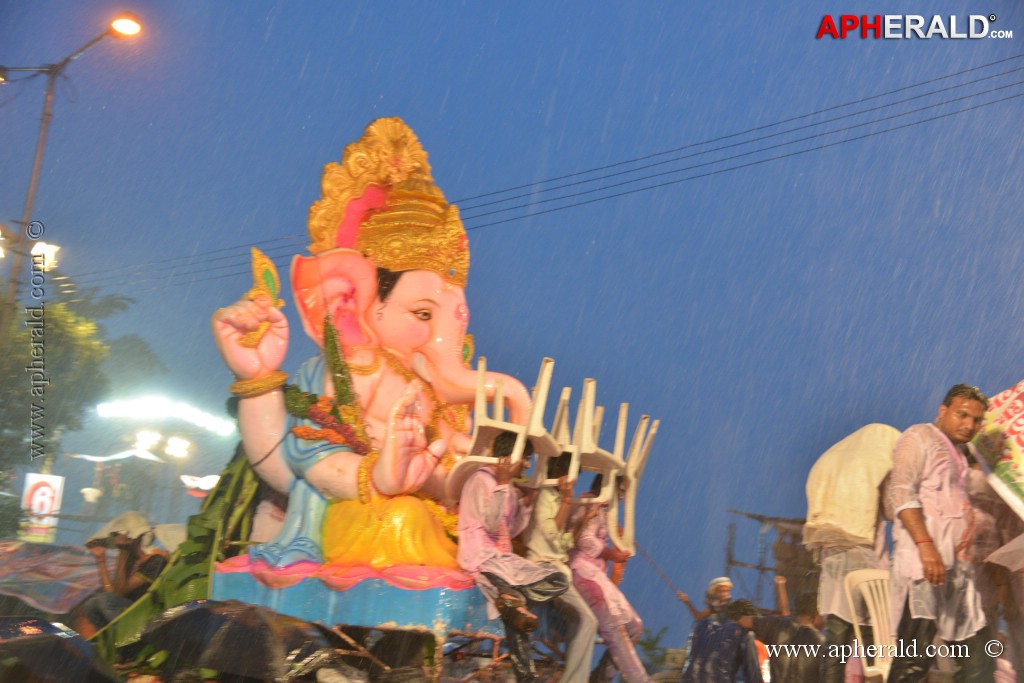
{"x": 489, "y": 423}
{"x": 610, "y": 464}
{"x": 581, "y": 441}
{"x": 873, "y": 586}
{"x": 636, "y": 461}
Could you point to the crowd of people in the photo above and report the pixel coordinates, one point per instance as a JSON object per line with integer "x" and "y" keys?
{"x": 527, "y": 547}
{"x": 139, "y": 561}
{"x": 945, "y": 521}
{"x": 730, "y": 637}
{"x": 563, "y": 562}
{"x": 943, "y": 528}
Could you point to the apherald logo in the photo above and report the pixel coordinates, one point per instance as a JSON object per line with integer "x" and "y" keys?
{"x": 895, "y": 26}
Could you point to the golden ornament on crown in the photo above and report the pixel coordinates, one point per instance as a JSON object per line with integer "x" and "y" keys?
{"x": 414, "y": 228}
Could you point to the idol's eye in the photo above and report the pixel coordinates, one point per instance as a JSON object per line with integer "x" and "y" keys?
{"x": 423, "y": 313}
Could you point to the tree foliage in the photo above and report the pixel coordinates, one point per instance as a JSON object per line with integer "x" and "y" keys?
{"x": 130, "y": 363}
{"x": 651, "y": 651}
{"x": 53, "y": 372}
{"x": 49, "y": 377}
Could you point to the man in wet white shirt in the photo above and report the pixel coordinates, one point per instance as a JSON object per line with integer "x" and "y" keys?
{"x": 547, "y": 540}
{"x": 933, "y": 586}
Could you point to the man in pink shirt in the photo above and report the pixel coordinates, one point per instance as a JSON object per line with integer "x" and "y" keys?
{"x": 492, "y": 511}
{"x": 933, "y": 584}
{"x": 617, "y": 622}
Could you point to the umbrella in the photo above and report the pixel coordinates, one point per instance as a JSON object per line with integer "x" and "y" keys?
{"x": 48, "y": 652}
{"x": 233, "y": 637}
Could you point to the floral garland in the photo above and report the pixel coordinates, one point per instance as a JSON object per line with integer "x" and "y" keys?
{"x": 366, "y": 487}
{"x": 448, "y": 520}
{"x": 339, "y": 419}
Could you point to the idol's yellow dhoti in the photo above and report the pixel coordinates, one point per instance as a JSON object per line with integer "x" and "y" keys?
{"x": 385, "y": 532}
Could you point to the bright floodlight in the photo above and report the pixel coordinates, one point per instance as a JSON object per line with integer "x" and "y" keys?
{"x": 177, "y": 447}
{"x": 145, "y": 440}
{"x": 125, "y": 25}
{"x": 161, "y": 408}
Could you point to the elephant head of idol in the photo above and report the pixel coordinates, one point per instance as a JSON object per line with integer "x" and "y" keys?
{"x": 388, "y": 270}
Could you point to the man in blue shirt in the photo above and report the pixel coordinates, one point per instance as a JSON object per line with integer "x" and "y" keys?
{"x": 723, "y": 651}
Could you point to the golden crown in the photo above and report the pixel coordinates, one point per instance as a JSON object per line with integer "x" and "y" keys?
{"x": 416, "y": 229}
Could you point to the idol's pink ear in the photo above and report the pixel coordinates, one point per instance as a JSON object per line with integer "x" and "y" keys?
{"x": 373, "y": 199}
{"x": 341, "y": 282}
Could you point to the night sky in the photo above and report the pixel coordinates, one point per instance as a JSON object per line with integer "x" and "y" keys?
{"x": 835, "y": 239}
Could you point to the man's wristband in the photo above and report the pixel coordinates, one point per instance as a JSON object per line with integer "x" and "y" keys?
{"x": 923, "y": 540}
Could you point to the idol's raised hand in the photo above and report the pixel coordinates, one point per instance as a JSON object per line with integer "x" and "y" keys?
{"x": 406, "y": 461}
{"x": 236, "y": 328}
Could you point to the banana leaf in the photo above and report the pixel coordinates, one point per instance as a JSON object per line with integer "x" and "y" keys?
{"x": 214, "y": 534}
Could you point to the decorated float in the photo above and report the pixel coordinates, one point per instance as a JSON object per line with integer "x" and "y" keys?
{"x": 372, "y": 439}
{"x": 1000, "y": 446}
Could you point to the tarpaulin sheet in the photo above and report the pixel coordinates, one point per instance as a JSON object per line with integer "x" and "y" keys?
{"x": 52, "y": 578}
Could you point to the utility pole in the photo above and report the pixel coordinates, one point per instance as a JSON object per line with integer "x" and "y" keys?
{"x": 27, "y": 229}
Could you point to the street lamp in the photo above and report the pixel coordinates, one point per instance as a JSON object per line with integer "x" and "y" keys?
{"x": 47, "y": 253}
{"x": 123, "y": 26}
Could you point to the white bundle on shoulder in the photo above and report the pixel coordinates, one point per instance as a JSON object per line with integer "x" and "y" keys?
{"x": 843, "y": 488}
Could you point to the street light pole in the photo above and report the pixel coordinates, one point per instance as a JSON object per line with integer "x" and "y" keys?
{"x": 26, "y": 227}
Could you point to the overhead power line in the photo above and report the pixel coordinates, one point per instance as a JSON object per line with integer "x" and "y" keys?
{"x": 787, "y": 143}
{"x": 746, "y": 165}
{"x": 467, "y": 209}
{"x": 766, "y": 126}
{"x": 231, "y": 252}
{"x": 233, "y": 261}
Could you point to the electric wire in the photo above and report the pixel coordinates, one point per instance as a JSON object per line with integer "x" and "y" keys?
{"x": 467, "y": 209}
{"x": 741, "y": 166}
{"x": 744, "y": 132}
{"x": 151, "y": 271}
{"x": 202, "y": 268}
{"x": 232, "y": 250}
{"x": 185, "y": 268}
{"x": 738, "y": 156}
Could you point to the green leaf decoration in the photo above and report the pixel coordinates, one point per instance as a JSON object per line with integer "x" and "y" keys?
{"x": 270, "y": 282}
{"x": 298, "y": 402}
{"x": 344, "y": 394}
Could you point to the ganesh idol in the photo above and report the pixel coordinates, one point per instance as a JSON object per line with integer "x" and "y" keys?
{"x": 362, "y": 437}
